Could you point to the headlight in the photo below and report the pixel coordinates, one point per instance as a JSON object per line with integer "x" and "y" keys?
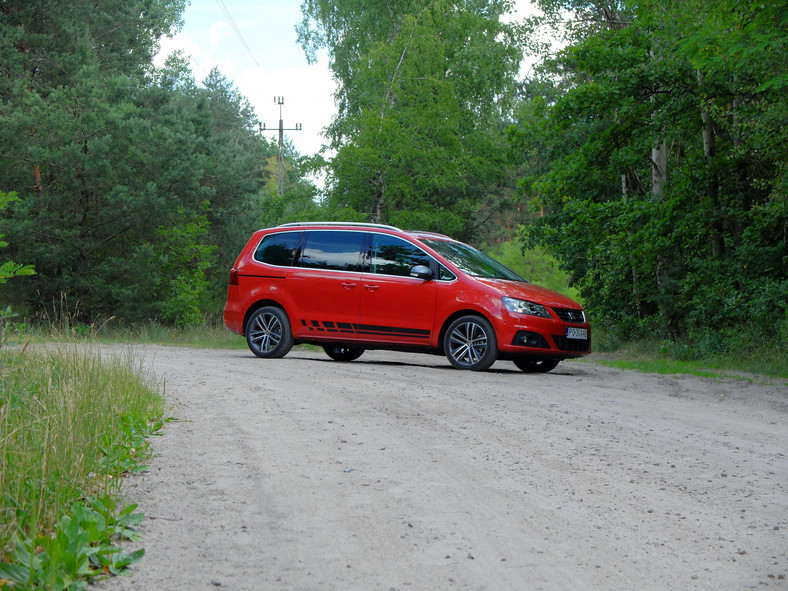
{"x": 524, "y": 307}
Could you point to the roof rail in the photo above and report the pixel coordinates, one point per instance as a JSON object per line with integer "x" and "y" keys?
{"x": 359, "y": 224}
{"x": 427, "y": 233}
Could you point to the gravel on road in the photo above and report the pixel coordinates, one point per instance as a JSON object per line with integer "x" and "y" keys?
{"x": 398, "y": 472}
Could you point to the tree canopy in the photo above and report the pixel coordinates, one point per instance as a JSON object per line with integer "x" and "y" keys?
{"x": 654, "y": 142}
{"x": 424, "y": 88}
{"x": 650, "y": 151}
{"x": 138, "y": 188}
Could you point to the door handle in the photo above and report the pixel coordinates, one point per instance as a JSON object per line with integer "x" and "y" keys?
{"x": 349, "y": 285}
{"x": 372, "y": 287}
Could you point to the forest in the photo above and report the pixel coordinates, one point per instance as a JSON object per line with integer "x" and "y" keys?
{"x": 644, "y": 150}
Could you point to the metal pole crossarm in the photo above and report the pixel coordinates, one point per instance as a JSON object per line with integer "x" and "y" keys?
{"x": 280, "y": 165}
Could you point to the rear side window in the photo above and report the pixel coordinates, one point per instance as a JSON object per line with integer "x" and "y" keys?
{"x": 390, "y": 255}
{"x": 333, "y": 250}
{"x": 278, "y": 249}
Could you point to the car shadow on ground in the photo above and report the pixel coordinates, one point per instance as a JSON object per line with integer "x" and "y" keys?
{"x": 419, "y": 360}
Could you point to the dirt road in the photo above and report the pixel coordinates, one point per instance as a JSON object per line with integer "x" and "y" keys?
{"x": 397, "y": 472}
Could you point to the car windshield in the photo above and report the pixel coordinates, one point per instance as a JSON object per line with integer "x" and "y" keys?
{"x": 471, "y": 261}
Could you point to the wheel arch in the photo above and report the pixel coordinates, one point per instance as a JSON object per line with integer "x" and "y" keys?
{"x": 261, "y": 304}
{"x": 452, "y": 317}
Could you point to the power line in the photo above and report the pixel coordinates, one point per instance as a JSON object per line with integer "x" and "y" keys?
{"x": 237, "y": 31}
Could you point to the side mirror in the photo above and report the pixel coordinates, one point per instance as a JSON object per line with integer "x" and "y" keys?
{"x": 421, "y": 272}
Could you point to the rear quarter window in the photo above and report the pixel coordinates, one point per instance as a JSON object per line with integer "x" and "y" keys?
{"x": 278, "y": 249}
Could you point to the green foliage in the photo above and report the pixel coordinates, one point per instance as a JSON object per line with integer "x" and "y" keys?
{"x": 534, "y": 265}
{"x": 743, "y": 351}
{"x": 650, "y": 150}
{"x": 691, "y": 248}
{"x": 81, "y": 548}
{"x": 71, "y": 425}
{"x": 9, "y": 269}
{"x": 126, "y": 168}
{"x": 189, "y": 259}
{"x": 423, "y": 90}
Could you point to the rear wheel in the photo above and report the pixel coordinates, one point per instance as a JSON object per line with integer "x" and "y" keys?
{"x": 470, "y": 343}
{"x": 536, "y": 365}
{"x": 343, "y": 353}
{"x": 268, "y": 333}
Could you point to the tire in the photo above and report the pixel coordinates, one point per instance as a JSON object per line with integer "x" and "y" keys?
{"x": 268, "y": 333}
{"x": 536, "y": 365}
{"x": 343, "y": 353}
{"x": 469, "y": 343}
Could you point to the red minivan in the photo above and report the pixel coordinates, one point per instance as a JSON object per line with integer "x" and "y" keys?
{"x": 350, "y": 287}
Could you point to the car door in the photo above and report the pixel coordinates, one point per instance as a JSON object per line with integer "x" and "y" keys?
{"x": 324, "y": 287}
{"x": 395, "y": 307}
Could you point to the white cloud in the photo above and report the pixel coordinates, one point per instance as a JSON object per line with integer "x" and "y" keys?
{"x": 308, "y": 100}
{"x": 218, "y": 31}
{"x": 267, "y": 28}
{"x": 273, "y": 65}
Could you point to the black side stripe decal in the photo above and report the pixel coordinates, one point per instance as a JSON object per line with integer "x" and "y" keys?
{"x": 365, "y": 329}
{"x": 391, "y": 330}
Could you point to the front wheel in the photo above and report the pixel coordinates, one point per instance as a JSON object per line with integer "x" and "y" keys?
{"x": 342, "y": 353}
{"x": 536, "y": 365}
{"x": 268, "y": 333}
{"x": 470, "y": 343}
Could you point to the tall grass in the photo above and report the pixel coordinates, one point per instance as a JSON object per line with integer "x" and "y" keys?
{"x": 652, "y": 355}
{"x": 212, "y": 334}
{"x": 71, "y": 423}
{"x": 209, "y": 335}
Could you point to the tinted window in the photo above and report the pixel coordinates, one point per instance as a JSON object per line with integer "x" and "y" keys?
{"x": 445, "y": 275}
{"x": 278, "y": 249}
{"x": 338, "y": 251}
{"x": 390, "y": 255}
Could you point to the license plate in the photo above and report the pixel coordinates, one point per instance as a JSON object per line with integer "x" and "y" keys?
{"x": 577, "y": 333}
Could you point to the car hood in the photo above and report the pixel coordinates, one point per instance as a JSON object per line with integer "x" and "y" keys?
{"x": 530, "y": 292}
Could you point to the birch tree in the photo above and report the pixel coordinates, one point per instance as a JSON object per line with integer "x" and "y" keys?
{"x": 424, "y": 87}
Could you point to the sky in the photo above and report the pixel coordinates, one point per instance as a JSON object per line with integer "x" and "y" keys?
{"x": 255, "y": 46}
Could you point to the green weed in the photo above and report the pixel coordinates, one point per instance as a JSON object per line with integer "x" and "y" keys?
{"x": 71, "y": 424}
{"x": 81, "y": 548}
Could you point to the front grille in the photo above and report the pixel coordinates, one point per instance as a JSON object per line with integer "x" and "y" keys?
{"x": 570, "y": 315}
{"x": 574, "y": 345}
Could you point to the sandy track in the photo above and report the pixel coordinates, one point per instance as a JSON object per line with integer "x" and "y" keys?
{"x": 398, "y": 472}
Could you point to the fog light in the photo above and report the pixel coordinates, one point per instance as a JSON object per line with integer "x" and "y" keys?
{"x": 530, "y": 339}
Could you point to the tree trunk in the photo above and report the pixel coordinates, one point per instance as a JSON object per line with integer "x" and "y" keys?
{"x": 380, "y": 192}
{"x": 659, "y": 175}
{"x": 710, "y": 152}
{"x": 659, "y": 169}
{"x": 745, "y": 201}
{"x": 633, "y": 266}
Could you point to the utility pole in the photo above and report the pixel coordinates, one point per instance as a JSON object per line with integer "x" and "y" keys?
{"x": 280, "y": 162}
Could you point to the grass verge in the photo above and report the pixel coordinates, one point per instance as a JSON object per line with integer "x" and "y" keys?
{"x": 653, "y": 356}
{"x": 709, "y": 357}
{"x": 71, "y": 424}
